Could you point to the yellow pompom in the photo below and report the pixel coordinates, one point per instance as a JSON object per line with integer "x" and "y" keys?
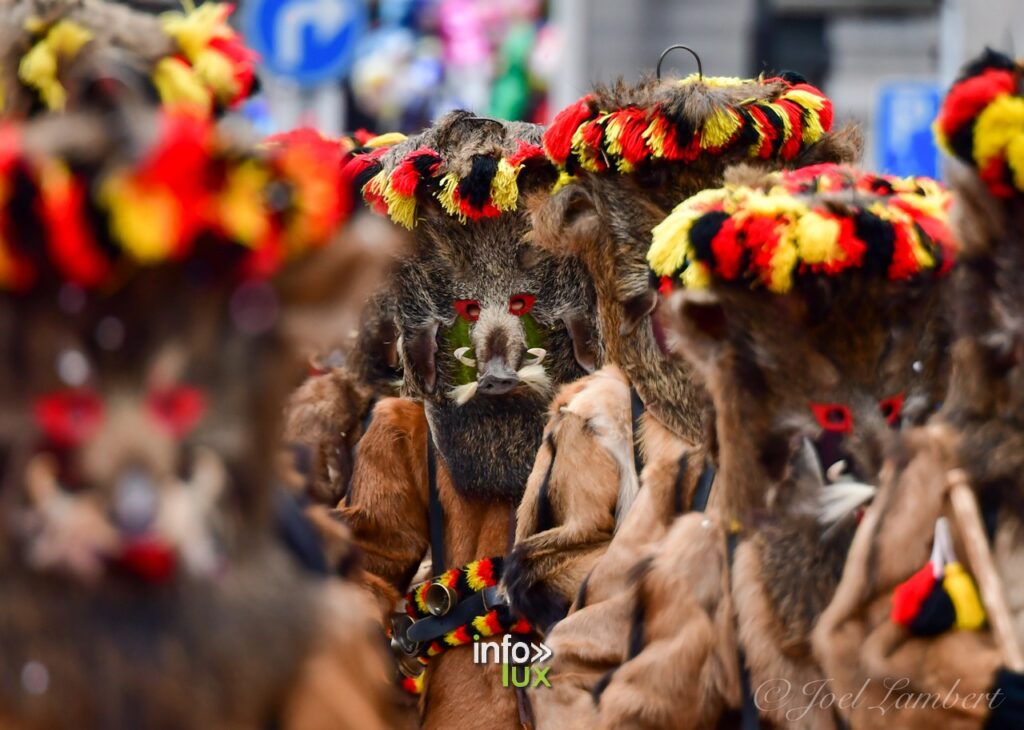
{"x": 144, "y": 221}
{"x": 713, "y": 81}
{"x": 670, "y": 239}
{"x": 401, "y": 208}
{"x": 39, "y": 67}
{"x": 178, "y": 86}
{"x": 385, "y": 140}
{"x": 654, "y": 135}
{"x": 505, "y": 186}
{"x": 194, "y": 30}
{"x": 446, "y": 196}
{"x": 243, "y": 211}
{"x": 215, "y": 70}
{"x": 999, "y": 123}
{"x": 564, "y": 178}
{"x": 1015, "y": 159}
{"x": 784, "y": 260}
{"x": 719, "y": 128}
{"x": 696, "y": 276}
{"x": 970, "y": 614}
{"x": 818, "y": 239}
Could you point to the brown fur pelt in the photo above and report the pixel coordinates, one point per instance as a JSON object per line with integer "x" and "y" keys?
{"x": 489, "y": 441}
{"x": 854, "y": 342}
{"x": 606, "y": 219}
{"x": 387, "y": 511}
{"x": 979, "y": 431}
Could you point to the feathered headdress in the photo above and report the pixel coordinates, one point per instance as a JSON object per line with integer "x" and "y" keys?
{"x": 982, "y": 122}
{"x": 823, "y": 220}
{"x": 684, "y": 120}
{"x": 469, "y": 186}
{"x": 194, "y": 192}
{"x": 192, "y": 59}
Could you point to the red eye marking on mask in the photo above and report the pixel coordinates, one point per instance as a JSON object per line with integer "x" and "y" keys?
{"x": 68, "y": 417}
{"x": 468, "y": 309}
{"x": 520, "y": 304}
{"x": 833, "y": 417}
{"x": 178, "y": 409}
{"x": 892, "y": 409}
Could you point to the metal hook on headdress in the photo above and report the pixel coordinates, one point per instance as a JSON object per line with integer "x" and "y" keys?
{"x": 700, "y": 66}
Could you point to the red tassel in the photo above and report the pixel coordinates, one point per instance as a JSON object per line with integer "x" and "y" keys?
{"x": 727, "y": 250}
{"x": 633, "y": 123}
{"x": 910, "y": 595}
{"x": 825, "y": 114}
{"x": 558, "y": 137}
{"x": 796, "y": 138}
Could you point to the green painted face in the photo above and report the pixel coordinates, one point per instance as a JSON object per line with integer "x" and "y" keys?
{"x": 458, "y": 335}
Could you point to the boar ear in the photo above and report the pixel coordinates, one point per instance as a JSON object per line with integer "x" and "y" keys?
{"x": 420, "y": 354}
{"x": 565, "y": 222}
{"x": 584, "y": 340}
{"x": 700, "y": 326}
{"x": 637, "y": 309}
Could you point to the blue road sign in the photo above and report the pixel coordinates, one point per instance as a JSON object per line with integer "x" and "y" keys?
{"x": 904, "y": 143}
{"x": 309, "y": 41}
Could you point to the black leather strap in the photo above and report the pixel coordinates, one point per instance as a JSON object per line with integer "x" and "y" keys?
{"x": 702, "y": 493}
{"x": 478, "y": 604}
{"x": 435, "y": 512}
{"x": 636, "y": 407}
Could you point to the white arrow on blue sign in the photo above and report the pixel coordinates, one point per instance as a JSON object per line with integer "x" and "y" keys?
{"x": 308, "y": 41}
{"x": 904, "y": 140}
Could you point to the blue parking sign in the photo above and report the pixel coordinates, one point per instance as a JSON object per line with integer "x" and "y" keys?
{"x": 904, "y": 142}
{"x": 308, "y": 41}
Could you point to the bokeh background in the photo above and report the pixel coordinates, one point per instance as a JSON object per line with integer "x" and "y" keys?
{"x": 884, "y": 63}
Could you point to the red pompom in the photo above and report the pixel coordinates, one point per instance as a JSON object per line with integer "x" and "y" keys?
{"x": 967, "y": 99}
{"x": 727, "y": 250}
{"x": 150, "y": 559}
{"x": 910, "y": 595}
{"x": 558, "y": 137}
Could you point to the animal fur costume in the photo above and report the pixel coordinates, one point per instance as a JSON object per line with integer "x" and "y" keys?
{"x": 146, "y": 355}
{"x": 978, "y": 431}
{"x": 661, "y": 141}
{"x": 848, "y": 266}
{"x": 488, "y": 327}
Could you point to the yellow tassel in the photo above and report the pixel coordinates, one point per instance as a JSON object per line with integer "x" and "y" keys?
{"x": 446, "y": 196}
{"x": 242, "y": 207}
{"x": 1015, "y": 159}
{"x": 654, "y": 135}
{"x": 473, "y": 577}
{"x": 215, "y": 70}
{"x": 696, "y": 276}
{"x": 787, "y": 126}
{"x": 480, "y": 624}
{"x": 505, "y": 186}
{"x": 401, "y": 208}
{"x": 784, "y": 260}
{"x": 145, "y": 222}
{"x": 813, "y": 130}
{"x": 713, "y": 81}
{"x": 194, "y": 30}
{"x": 564, "y": 178}
{"x": 613, "y": 144}
{"x": 38, "y": 68}
{"x": 970, "y": 614}
{"x": 670, "y": 239}
{"x": 818, "y": 239}
{"x": 998, "y": 124}
{"x": 178, "y": 86}
{"x": 587, "y": 156}
{"x": 385, "y": 140}
{"x": 719, "y": 128}
{"x": 376, "y": 185}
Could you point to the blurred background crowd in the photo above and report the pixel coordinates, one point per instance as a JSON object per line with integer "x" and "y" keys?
{"x": 393, "y": 65}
